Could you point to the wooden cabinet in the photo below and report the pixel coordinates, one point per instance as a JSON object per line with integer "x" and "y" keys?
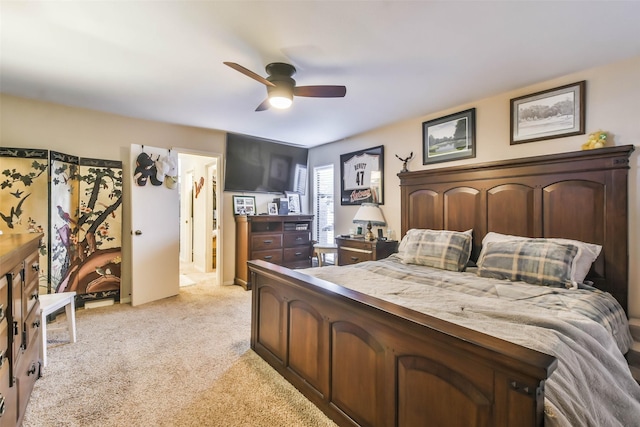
{"x": 353, "y": 251}
{"x": 280, "y": 239}
{"x": 20, "y": 331}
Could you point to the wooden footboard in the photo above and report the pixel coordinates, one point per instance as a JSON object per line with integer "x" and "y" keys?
{"x": 368, "y": 362}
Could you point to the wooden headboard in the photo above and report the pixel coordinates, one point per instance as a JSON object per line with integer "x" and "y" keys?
{"x": 579, "y": 195}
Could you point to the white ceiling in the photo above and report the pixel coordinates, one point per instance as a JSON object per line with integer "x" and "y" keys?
{"x": 162, "y": 60}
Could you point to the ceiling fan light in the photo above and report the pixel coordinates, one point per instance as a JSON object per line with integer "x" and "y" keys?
{"x": 280, "y": 101}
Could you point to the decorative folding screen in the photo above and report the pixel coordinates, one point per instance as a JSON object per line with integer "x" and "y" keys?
{"x": 23, "y": 197}
{"x": 80, "y": 214}
{"x": 86, "y": 226}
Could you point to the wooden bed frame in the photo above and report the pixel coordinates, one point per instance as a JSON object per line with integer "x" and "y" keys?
{"x": 368, "y": 362}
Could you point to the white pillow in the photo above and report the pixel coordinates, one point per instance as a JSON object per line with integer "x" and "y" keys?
{"x": 587, "y": 252}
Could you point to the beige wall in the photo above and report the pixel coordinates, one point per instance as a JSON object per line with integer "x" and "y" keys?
{"x": 613, "y": 100}
{"x": 32, "y": 124}
{"x": 613, "y": 104}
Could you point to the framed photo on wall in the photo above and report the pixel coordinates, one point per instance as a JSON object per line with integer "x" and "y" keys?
{"x": 553, "y": 113}
{"x": 452, "y": 137}
{"x": 361, "y": 176}
{"x": 244, "y": 205}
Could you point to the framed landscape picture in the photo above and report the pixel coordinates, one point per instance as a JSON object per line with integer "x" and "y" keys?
{"x": 452, "y": 137}
{"x": 361, "y": 176}
{"x": 553, "y": 113}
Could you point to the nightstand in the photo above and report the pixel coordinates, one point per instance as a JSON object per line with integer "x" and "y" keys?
{"x": 353, "y": 251}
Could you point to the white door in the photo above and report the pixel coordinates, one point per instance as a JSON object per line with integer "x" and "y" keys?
{"x": 155, "y": 240}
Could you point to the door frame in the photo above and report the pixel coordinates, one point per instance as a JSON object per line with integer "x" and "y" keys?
{"x": 218, "y": 159}
{"x": 211, "y": 176}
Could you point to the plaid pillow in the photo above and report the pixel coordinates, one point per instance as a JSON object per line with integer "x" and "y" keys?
{"x": 446, "y": 250}
{"x": 535, "y": 261}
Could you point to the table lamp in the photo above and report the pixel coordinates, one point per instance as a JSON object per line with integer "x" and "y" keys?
{"x": 370, "y": 214}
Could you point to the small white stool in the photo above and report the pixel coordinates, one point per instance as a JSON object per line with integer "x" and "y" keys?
{"x": 321, "y": 250}
{"x": 49, "y": 303}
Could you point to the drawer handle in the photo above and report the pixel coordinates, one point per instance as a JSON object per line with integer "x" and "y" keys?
{"x": 36, "y": 324}
{"x": 354, "y": 258}
{"x": 267, "y": 242}
{"x": 32, "y": 369}
{"x": 268, "y": 257}
{"x": 298, "y": 253}
{"x": 298, "y": 238}
{"x": 35, "y": 267}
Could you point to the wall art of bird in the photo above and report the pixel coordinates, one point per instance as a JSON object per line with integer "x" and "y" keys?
{"x": 17, "y": 194}
{"x": 65, "y": 215}
{"x": 15, "y": 213}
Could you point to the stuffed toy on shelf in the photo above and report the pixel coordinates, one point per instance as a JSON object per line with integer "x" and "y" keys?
{"x": 597, "y": 139}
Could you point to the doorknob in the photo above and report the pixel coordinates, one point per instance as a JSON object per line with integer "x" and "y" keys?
{"x": 138, "y": 232}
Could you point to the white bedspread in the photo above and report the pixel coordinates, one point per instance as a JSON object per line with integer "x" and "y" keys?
{"x": 592, "y": 385}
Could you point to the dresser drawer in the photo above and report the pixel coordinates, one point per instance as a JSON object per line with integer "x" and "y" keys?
{"x": 274, "y": 255}
{"x": 296, "y": 239}
{"x": 266, "y": 241}
{"x": 4, "y": 297}
{"x": 32, "y": 328}
{"x": 30, "y": 295}
{"x": 7, "y": 398}
{"x": 26, "y": 374}
{"x": 31, "y": 268}
{"x": 348, "y": 255}
{"x": 297, "y": 264}
{"x": 296, "y": 254}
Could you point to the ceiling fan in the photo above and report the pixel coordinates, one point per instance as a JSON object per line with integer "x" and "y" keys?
{"x": 281, "y": 88}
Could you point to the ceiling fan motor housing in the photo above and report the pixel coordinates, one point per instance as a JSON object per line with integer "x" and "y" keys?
{"x": 280, "y": 75}
{"x": 280, "y": 69}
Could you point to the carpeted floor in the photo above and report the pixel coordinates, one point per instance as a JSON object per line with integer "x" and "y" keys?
{"x": 182, "y": 361}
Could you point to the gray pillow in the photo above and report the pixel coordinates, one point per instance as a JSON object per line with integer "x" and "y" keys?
{"x": 535, "y": 261}
{"x": 443, "y": 249}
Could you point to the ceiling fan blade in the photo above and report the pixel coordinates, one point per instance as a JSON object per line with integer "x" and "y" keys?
{"x": 320, "y": 91}
{"x": 249, "y": 73}
{"x": 264, "y": 105}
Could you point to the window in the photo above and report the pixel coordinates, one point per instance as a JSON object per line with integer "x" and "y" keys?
{"x": 323, "y": 206}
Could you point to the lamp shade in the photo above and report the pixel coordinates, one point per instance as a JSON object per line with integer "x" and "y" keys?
{"x": 369, "y": 213}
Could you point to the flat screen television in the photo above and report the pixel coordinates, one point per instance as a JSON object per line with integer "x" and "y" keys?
{"x": 263, "y": 166}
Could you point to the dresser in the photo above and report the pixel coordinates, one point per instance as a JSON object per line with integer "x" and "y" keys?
{"x": 20, "y": 332}
{"x": 281, "y": 239}
{"x": 353, "y": 251}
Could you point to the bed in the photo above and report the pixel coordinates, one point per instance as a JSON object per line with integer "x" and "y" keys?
{"x": 366, "y": 354}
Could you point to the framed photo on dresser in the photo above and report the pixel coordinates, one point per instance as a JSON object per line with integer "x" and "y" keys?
{"x": 273, "y": 208}
{"x": 244, "y": 205}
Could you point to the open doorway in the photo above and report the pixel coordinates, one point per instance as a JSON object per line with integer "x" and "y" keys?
{"x": 200, "y": 234}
